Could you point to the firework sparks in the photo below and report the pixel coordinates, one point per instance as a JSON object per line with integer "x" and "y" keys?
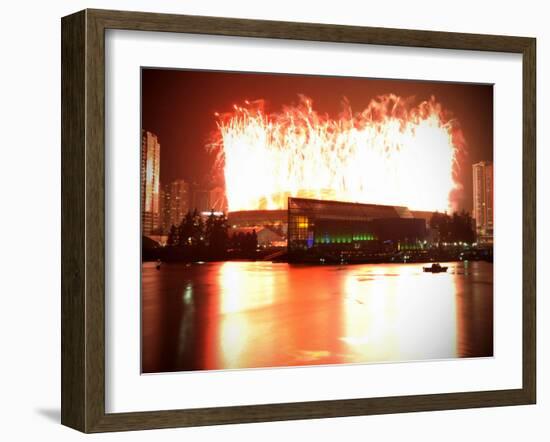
{"x": 393, "y": 152}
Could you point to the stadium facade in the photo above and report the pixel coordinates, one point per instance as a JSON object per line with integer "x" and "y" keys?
{"x": 257, "y": 218}
{"x": 334, "y": 227}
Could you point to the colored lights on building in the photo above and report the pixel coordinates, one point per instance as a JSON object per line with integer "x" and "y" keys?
{"x": 346, "y": 239}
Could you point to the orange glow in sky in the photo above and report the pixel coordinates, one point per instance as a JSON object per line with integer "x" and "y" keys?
{"x": 392, "y": 152}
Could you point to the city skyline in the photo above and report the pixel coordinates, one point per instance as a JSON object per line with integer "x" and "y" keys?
{"x": 175, "y": 199}
{"x": 164, "y": 205}
{"x": 178, "y": 197}
{"x": 181, "y": 106}
{"x": 323, "y": 231}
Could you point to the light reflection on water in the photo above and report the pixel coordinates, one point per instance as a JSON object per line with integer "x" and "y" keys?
{"x": 257, "y": 314}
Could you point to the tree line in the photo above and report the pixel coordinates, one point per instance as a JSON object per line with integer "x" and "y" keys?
{"x": 454, "y": 228}
{"x": 196, "y": 238}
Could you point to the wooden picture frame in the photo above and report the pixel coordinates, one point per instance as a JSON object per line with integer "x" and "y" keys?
{"x": 83, "y": 220}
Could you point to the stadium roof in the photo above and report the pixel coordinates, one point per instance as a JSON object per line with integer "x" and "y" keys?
{"x": 257, "y": 217}
{"x": 349, "y": 211}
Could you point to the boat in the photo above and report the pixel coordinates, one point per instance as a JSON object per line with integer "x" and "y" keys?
{"x": 435, "y": 268}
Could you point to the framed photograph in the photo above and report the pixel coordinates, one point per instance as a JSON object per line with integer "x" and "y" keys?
{"x": 268, "y": 220}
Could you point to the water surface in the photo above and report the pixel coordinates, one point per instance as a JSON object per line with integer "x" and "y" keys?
{"x": 228, "y": 315}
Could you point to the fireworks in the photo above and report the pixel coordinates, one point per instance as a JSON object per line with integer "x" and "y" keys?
{"x": 392, "y": 152}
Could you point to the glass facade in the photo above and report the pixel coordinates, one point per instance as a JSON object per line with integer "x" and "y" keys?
{"x": 332, "y": 226}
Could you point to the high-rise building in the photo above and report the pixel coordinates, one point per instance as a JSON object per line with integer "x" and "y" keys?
{"x": 200, "y": 199}
{"x": 483, "y": 200}
{"x": 218, "y": 201}
{"x": 205, "y": 199}
{"x": 165, "y": 209}
{"x": 179, "y": 202}
{"x": 175, "y": 203}
{"x": 150, "y": 186}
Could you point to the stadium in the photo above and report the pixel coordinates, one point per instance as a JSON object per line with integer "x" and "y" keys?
{"x": 334, "y": 229}
{"x": 332, "y": 226}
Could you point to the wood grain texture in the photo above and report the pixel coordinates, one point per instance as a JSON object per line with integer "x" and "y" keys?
{"x": 95, "y": 222}
{"x": 73, "y": 255}
{"x": 83, "y": 220}
{"x": 529, "y": 220}
{"x": 144, "y": 21}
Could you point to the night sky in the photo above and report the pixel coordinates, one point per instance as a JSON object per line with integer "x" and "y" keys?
{"x": 179, "y": 106}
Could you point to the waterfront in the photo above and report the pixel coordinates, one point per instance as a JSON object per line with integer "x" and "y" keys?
{"x": 236, "y": 314}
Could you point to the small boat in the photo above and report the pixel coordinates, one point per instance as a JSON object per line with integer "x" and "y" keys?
{"x": 435, "y": 268}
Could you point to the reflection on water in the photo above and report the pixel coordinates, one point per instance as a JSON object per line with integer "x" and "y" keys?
{"x": 258, "y": 314}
